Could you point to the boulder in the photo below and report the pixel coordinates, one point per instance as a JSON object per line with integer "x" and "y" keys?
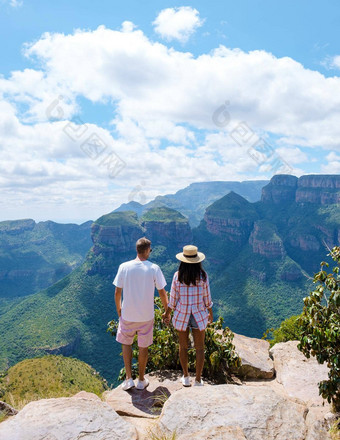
{"x": 298, "y": 375}
{"x": 254, "y": 354}
{"x": 148, "y": 402}
{"x": 216, "y": 433}
{"x": 317, "y": 424}
{"x": 7, "y": 409}
{"x": 67, "y": 418}
{"x": 257, "y": 412}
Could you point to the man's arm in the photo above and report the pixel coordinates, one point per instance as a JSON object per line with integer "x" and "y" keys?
{"x": 164, "y": 298}
{"x": 118, "y": 300}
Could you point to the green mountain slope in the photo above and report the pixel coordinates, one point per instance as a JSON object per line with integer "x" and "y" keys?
{"x": 36, "y": 255}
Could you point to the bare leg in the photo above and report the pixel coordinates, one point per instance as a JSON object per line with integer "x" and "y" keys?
{"x": 183, "y": 350}
{"x": 127, "y": 357}
{"x": 142, "y": 361}
{"x": 199, "y": 346}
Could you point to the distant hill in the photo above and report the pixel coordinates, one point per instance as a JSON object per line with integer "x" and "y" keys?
{"x": 195, "y": 198}
{"x": 260, "y": 257}
{"x": 46, "y": 377}
{"x": 36, "y": 255}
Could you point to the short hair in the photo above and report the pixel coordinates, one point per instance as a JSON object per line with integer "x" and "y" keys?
{"x": 142, "y": 245}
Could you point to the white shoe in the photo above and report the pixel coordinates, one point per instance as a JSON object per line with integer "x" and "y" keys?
{"x": 127, "y": 384}
{"x": 186, "y": 381}
{"x": 198, "y": 384}
{"x": 142, "y": 384}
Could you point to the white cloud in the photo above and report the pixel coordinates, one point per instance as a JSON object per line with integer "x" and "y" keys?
{"x": 177, "y": 23}
{"x": 292, "y": 155}
{"x": 333, "y": 164}
{"x": 331, "y": 62}
{"x": 162, "y": 103}
{"x": 15, "y": 3}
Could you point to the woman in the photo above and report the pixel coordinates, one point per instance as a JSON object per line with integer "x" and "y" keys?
{"x": 191, "y": 301}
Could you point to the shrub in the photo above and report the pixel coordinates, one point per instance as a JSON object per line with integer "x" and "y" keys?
{"x": 289, "y": 330}
{"x": 164, "y": 352}
{"x": 320, "y": 327}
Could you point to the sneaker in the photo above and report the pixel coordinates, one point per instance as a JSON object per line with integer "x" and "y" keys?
{"x": 186, "y": 381}
{"x": 127, "y": 384}
{"x": 142, "y": 384}
{"x": 198, "y": 384}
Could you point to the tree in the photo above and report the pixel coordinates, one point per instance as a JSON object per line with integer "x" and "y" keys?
{"x": 220, "y": 353}
{"x": 289, "y": 330}
{"x": 320, "y": 327}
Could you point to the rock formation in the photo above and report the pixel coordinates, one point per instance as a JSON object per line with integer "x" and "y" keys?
{"x": 320, "y": 189}
{"x": 231, "y": 217}
{"x": 287, "y": 407}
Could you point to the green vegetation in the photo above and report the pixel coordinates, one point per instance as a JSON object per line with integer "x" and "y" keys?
{"x": 158, "y": 434}
{"x": 36, "y": 255}
{"x": 164, "y": 215}
{"x": 118, "y": 218}
{"x": 232, "y": 205}
{"x": 320, "y": 327}
{"x": 220, "y": 353}
{"x": 46, "y": 377}
{"x": 289, "y": 330}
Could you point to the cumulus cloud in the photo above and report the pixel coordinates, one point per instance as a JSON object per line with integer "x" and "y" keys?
{"x": 173, "y": 115}
{"x": 177, "y": 23}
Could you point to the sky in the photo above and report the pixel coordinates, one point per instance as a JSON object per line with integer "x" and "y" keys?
{"x": 106, "y": 102}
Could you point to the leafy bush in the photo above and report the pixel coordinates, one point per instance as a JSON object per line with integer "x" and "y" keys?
{"x": 289, "y": 330}
{"x": 320, "y": 327}
{"x": 220, "y": 353}
{"x": 46, "y": 377}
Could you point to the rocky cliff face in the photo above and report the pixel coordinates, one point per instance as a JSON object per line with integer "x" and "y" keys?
{"x": 174, "y": 233}
{"x": 234, "y": 229}
{"x": 280, "y": 189}
{"x": 115, "y": 235}
{"x": 231, "y": 217}
{"x": 320, "y": 189}
{"x": 265, "y": 241}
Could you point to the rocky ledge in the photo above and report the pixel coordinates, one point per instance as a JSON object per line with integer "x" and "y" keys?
{"x": 258, "y": 407}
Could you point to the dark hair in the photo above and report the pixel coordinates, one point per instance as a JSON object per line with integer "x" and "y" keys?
{"x": 142, "y": 245}
{"x": 190, "y": 273}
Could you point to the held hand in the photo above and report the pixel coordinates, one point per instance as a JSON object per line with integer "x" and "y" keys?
{"x": 119, "y": 312}
{"x": 210, "y": 318}
{"x": 166, "y": 318}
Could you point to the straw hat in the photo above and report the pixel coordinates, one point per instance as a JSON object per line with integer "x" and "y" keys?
{"x": 190, "y": 254}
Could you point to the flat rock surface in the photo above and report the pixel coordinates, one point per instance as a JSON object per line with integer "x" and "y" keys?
{"x": 148, "y": 402}
{"x": 67, "y": 418}
{"x": 258, "y": 412}
{"x": 298, "y": 375}
{"x": 218, "y": 433}
{"x": 254, "y": 353}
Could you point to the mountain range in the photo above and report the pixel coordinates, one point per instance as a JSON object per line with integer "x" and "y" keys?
{"x": 195, "y": 198}
{"x": 34, "y": 255}
{"x": 260, "y": 260}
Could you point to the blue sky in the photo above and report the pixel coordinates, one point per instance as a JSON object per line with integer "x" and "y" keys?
{"x": 144, "y": 81}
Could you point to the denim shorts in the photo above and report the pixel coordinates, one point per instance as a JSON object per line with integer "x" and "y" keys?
{"x": 192, "y": 322}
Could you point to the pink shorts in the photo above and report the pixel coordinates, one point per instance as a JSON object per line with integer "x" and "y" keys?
{"x": 127, "y": 330}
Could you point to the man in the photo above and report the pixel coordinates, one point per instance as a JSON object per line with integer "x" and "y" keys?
{"x": 137, "y": 279}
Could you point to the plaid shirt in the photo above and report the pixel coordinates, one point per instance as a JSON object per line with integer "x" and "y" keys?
{"x": 186, "y": 300}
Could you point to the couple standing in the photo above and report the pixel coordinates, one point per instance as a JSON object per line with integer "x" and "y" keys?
{"x": 190, "y": 300}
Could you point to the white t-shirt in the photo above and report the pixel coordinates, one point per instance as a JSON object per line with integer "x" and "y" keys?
{"x": 138, "y": 280}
